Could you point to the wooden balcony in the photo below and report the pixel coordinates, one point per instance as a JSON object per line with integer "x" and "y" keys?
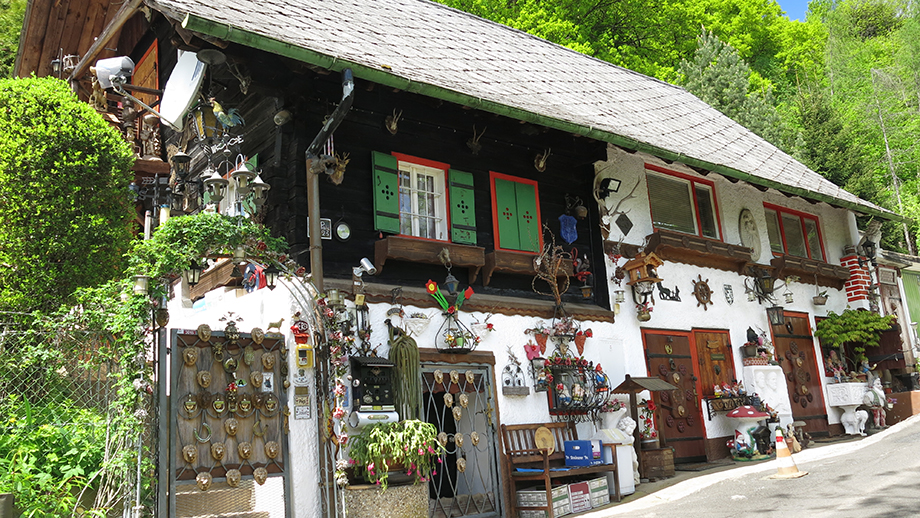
{"x": 398, "y": 248}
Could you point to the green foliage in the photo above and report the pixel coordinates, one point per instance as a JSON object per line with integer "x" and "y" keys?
{"x": 64, "y": 202}
{"x": 411, "y": 443}
{"x": 854, "y": 326}
{"x": 12, "y": 13}
{"x": 45, "y": 464}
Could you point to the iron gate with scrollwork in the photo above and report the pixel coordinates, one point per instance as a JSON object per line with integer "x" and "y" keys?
{"x": 460, "y": 401}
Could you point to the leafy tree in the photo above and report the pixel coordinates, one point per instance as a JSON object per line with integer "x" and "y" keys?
{"x": 11, "y": 17}
{"x": 718, "y": 76}
{"x": 828, "y": 143}
{"x": 64, "y": 202}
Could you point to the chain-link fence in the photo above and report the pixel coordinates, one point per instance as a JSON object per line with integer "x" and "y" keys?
{"x": 59, "y": 453}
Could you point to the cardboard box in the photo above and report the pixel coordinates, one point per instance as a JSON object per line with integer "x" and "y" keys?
{"x": 598, "y": 484}
{"x": 580, "y": 497}
{"x": 582, "y": 453}
{"x": 599, "y": 500}
{"x": 557, "y": 511}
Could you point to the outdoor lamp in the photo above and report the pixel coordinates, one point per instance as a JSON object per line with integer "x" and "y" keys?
{"x": 193, "y": 274}
{"x": 619, "y": 296}
{"x": 586, "y": 291}
{"x": 243, "y": 175}
{"x": 181, "y": 162}
{"x": 259, "y": 188}
{"x": 217, "y": 186}
{"x": 140, "y": 284}
{"x": 335, "y": 298}
{"x": 765, "y": 282}
{"x": 239, "y": 255}
{"x": 451, "y": 283}
{"x": 775, "y": 315}
{"x": 788, "y": 296}
{"x": 271, "y": 276}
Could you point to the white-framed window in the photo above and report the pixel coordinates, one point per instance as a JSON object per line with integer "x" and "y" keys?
{"x": 682, "y": 203}
{"x": 422, "y": 201}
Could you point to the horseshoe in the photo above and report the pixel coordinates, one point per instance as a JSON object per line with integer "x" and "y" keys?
{"x": 258, "y": 429}
{"x": 199, "y": 438}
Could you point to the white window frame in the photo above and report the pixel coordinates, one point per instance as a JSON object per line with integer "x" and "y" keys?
{"x": 416, "y": 227}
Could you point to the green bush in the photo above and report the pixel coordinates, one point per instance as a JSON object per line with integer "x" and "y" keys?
{"x": 48, "y": 454}
{"x": 65, "y": 206}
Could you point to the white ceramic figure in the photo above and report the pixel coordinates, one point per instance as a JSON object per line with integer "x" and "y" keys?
{"x": 875, "y": 398}
{"x": 627, "y": 424}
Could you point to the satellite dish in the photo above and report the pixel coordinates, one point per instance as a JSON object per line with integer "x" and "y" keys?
{"x": 182, "y": 88}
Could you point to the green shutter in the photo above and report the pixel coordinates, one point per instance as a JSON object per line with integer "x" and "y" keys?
{"x": 506, "y": 212}
{"x": 386, "y": 193}
{"x": 462, "y": 208}
{"x": 528, "y": 223}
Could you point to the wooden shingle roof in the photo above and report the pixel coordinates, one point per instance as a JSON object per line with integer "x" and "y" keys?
{"x": 421, "y": 46}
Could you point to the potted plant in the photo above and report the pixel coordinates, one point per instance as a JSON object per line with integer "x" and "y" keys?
{"x": 644, "y": 311}
{"x": 820, "y": 299}
{"x": 858, "y": 327}
{"x": 409, "y": 445}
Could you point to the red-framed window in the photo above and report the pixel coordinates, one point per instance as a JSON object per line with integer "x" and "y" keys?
{"x": 516, "y": 213}
{"x": 794, "y": 233}
{"x": 682, "y": 203}
{"x": 423, "y": 198}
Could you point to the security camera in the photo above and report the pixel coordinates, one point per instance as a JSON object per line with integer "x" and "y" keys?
{"x": 365, "y": 266}
{"x": 114, "y": 72}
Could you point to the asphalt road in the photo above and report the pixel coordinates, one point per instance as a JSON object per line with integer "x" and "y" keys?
{"x": 877, "y": 476}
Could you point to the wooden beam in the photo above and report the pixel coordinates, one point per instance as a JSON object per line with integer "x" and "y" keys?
{"x": 126, "y": 12}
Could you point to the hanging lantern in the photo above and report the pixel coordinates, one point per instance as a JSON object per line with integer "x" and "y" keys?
{"x": 193, "y": 274}
{"x": 181, "y": 162}
{"x": 788, "y": 297}
{"x": 775, "y": 315}
{"x": 217, "y": 186}
{"x": 243, "y": 176}
{"x": 271, "y": 276}
{"x": 206, "y": 126}
{"x": 140, "y": 284}
{"x": 451, "y": 283}
{"x": 259, "y": 188}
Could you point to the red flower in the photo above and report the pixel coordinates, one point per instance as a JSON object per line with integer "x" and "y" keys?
{"x": 468, "y": 292}
{"x": 651, "y": 406}
{"x": 261, "y": 246}
{"x": 300, "y": 271}
{"x": 282, "y": 259}
{"x": 589, "y": 333}
{"x": 549, "y": 378}
{"x": 559, "y": 386}
{"x": 451, "y": 310}
{"x": 490, "y": 327}
{"x": 431, "y": 287}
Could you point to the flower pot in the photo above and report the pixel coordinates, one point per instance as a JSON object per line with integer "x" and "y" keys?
{"x": 644, "y": 316}
{"x": 649, "y": 444}
{"x": 610, "y": 419}
{"x": 749, "y": 351}
{"x": 819, "y": 300}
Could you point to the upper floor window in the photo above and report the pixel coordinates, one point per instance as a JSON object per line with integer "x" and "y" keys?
{"x": 793, "y": 233}
{"x": 423, "y": 198}
{"x": 682, "y": 203}
{"x": 516, "y": 213}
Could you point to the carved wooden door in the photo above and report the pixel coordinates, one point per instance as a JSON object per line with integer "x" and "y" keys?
{"x": 670, "y": 357}
{"x": 795, "y": 352}
{"x": 714, "y": 353}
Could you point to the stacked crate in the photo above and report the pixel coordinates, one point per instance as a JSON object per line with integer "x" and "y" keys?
{"x": 536, "y": 496}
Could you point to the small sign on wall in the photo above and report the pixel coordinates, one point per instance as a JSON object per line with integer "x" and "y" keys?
{"x": 887, "y": 276}
{"x": 325, "y": 228}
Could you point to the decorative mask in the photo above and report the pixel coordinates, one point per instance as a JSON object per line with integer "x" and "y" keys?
{"x": 248, "y": 355}
{"x": 457, "y": 413}
{"x": 268, "y": 361}
{"x": 260, "y": 474}
{"x": 255, "y": 377}
{"x": 244, "y": 449}
{"x": 190, "y": 453}
{"x": 231, "y": 332}
{"x": 217, "y": 450}
{"x": 272, "y": 449}
{"x": 218, "y": 348}
{"x": 204, "y": 481}
{"x": 257, "y": 335}
{"x": 204, "y": 379}
{"x": 461, "y": 465}
{"x": 231, "y": 426}
{"x": 233, "y": 477}
{"x": 458, "y": 440}
{"x": 474, "y": 438}
{"x": 448, "y": 399}
{"x": 204, "y": 332}
{"x": 190, "y": 355}
{"x": 470, "y": 377}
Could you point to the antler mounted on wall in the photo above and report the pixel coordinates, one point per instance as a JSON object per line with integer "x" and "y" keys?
{"x": 551, "y": 267}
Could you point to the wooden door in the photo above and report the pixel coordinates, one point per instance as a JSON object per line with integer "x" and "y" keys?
{"x": 714, "y": 354}
{"x": 670, "y": 356}
{"x": 795, "y": 352}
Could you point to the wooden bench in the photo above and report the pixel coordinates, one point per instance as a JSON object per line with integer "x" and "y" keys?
{"x": 521, "y": 451}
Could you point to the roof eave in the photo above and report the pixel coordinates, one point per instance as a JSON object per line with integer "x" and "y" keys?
{"x": 389, "y": 78}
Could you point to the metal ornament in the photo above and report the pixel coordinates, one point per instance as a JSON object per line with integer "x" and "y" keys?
{"x": 255, "y": 377}
{"x": 217, "y": 451}
{"x": 258, "y": 429}
{"x": 268, "y": 361}
{"x": 470, "y": 377}
{"x": 204, "y": 379}
{"x": 190, "y": 453}
{"x": 454, "y": 377}
{"x": 257, "y": 335}
{"x": 702, "y": 292}
{"x": 219, "y": 405}
{"x": 204, "y": 333}
{"x": 442, "y": 438}
{"x": 231, "y": 426}
{"x": 203, "y": 480}
{"x": 272, "y": 449}
{"x": 206, "y": 438}
{"x": 464, "y": 400}
{"x": 458, "y": 439}
{"x": 729, "y": 294}
{"x": 231, "y": 332}
{"x": 461, "y": 465}
{"x": 245, "y": 404}
{"x": 474, "y": 438}
{"x": 439, "y": 376}
{"x": 458, "y": 413}
{"x": 190, "y": 356}
{"x": 244, "y": 449}
{"x": 230, "y": 365}
{"x": 260, "y": 475}
{"x": 191, "y": 404}
{"x": 448, "y": 399}
{"x": 233, "y": 477}
{"x": 248, "y": 355}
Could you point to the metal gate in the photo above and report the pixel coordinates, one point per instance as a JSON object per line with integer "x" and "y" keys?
{"x": 228, "y": 448}
{"x": 460, "y": 401}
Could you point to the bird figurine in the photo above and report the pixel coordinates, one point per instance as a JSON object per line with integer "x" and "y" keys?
{"x": 226, "y": 118}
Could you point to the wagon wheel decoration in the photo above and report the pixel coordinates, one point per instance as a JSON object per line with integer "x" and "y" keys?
{"x": 702, "y": 292}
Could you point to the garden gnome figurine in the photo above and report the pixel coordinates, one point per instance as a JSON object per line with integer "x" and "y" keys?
{"x": 875, "y": 399}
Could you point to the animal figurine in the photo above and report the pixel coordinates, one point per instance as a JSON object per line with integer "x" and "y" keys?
{"x": 226, "y": 118}
{"x": 275, "y": 325}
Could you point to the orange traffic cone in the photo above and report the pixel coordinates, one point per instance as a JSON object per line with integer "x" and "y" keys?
{"x": 785, "y": 465}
